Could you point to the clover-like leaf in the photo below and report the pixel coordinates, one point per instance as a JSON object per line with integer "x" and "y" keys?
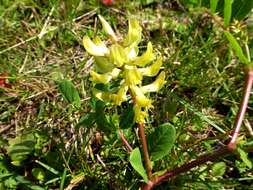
{"x": 153, "y": 69}
{"x": 146, "y": 57}
{"x": 133, "y": 37}
{"x": 94, "y": 48}
{"x": 156, "y": 85}
{"x": 136, "y": 162}
{"x": 107, "y": 28}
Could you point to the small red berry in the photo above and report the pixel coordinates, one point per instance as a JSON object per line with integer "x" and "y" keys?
{"x": 107, "y": 2}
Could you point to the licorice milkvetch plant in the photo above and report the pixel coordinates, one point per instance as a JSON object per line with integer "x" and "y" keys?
{"x": 121, "y": 63}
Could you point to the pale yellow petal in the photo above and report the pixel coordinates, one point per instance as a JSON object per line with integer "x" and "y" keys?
{"x": 156, "y": 85}
{"x": 117, "y": 55}
{"x": 134, "y": 33}
{"x": 100, "y": 78}
{"x": 140, "y": 99}
{"x": 103, "y": 65}
{"x": 132, "y": 75}
{"x": 93, "y": 49}
{"x": 120, "y": 97}
{"x": 139, "y": 115}
{"x": 153, "y": 69}
{"x": 146, "y": 57}
{"x": 107, "y": 28}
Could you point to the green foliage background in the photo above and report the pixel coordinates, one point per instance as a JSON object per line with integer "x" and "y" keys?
{"x": 55, "y": 135}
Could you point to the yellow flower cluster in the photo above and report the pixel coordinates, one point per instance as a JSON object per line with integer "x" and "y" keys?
{"x": 121, "y": 61}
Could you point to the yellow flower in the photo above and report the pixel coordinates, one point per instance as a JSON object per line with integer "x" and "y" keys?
{"x": 104, "y": 78}
{"x": 139, "y": 115}
{"x": 132, "y": 75}
{"x": 117, "y": 55}
{"x": 156, "y": 85}
{"x": 134, "y": 33}
{"x": 146, "y": 57}
{"x": 107, "y": 28}
{"x": 140, "y": 99}
{"x": 96, "y": 49}
{"x": 153, "y": 69}
{"x": 120, "y": 97}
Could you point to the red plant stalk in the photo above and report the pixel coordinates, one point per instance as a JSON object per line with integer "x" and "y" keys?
{"x": 124, "y": 140}
{"x": 221, "y": 152}
{"x": 147, "y": 161}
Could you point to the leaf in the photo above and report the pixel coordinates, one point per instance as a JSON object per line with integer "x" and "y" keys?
{"x": 243, "y": 8}
{"x": 237, "y": 48}
{"x": 244, "y": 157}
{"x": 69, "y": 92}
{"x": 20, "y": 148}
{"x": 227, "y": 12}
{"x": 161, "y": 141}
{"x": 28, "y": 184}
{"x": 219, "y": 169}
{"x": 136, "y": 162}
{"x": 86, "y": 120}
{"x": 101, "y": 118}
{"x": 127, "y": 118}
{"x": 213, "y": 5}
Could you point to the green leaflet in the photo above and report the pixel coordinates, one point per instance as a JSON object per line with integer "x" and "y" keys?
{"x": 127, "y": 118}
{"x": 227, "y": 12}
{"x": 219, "y": 169}
{"x": 20, "y": 148}
{"x": 236, "y": 47}
{"x": 136, "y": 162}
{"x": 161, "y": 141}
{"x": 69, "y": 92}
{"x": 244, "y": 157}
{"x": 213, "y": 5}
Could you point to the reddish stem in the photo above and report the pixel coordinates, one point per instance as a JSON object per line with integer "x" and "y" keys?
{"x": 242, "y": 109}
{"x": 124, "y": 140}
{"x": 141, "y": 127}
{"x": 221, "y": 151}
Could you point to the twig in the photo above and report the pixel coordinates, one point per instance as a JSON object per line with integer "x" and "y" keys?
{"x": 124, "y": 140}
{"x": 5, "y": 128}
{"x": 243, "y": 108}
{"x": 148, "y": 166}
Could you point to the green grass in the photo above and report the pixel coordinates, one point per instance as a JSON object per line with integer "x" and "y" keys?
{"x": 41, "y": 44}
